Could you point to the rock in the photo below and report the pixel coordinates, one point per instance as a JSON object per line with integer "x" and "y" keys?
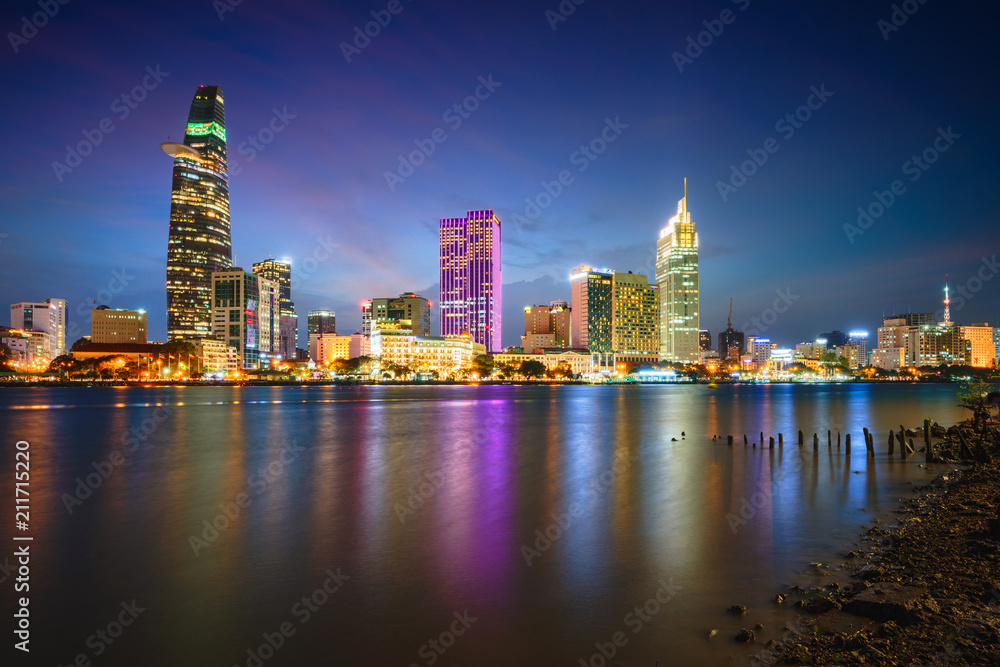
{"x": 779, "y": 598}
{"x": 758, "y": 627}
{"x": 745, "y": 635}
{"x": 737, "y": 609}
{"x": 821, "y": 605}
{"x": 888, "y": 602}
{"x": 712, "y": 633}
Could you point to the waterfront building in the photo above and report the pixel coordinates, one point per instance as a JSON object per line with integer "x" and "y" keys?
{"x": 408, "y": 306}
{"x": 48, "y": 317}
{"x": 245, "y": 315}
{"x": 579, "y": 362}
{"x": 322, "y": 321}
{"x": 215, "y": 356}
{"x": 933, "y": 345}
{"x": 470, "y": 278}
{"x": 677, "y": 280}
{"x": 328, "y": 347}
{"x": 813, "y": 350}
{"x": 759, "y": 350}
{"x": 199, "y": 241}
{"x": 592, "y": 309}
{"x": 704, "y": 340}
{"x": 834, "y": 338}
{"x": 280, "y": 272}
{"x": 982, "y": 348}
{"x": 29, "y": 350}
{"x": 117, "y": 325}
{"x": 636, "y": 316}
{"x": 859, "y": 339}
{"x": 996, "y": 343}
{"x": 445, "y": 355}
{"x": 547, "y": 326}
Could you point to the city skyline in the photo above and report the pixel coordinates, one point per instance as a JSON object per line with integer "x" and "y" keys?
{"x": 104, "y": 217}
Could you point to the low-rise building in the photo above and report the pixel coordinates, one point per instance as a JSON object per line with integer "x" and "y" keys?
{"x": 445, "y": 355}
{"x": 214, "y": 356}
{"x": 117, "y": 325}
{"x": 579, "y": 362}
{"x": 325, "y": 348}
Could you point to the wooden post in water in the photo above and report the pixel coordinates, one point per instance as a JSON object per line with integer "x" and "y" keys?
{"x": 910, "y": 448}
{"x": 745, "y": 441}
{"x": 770, "y": 443}
{"x": 801, "y": 438}
{"x": 730, "y": 442}
{"x": 838, "y": 439}
{"x": 892, "y": 442}
{"x": 868, "y": 446}
{"x": 815, "y": 442}
{"x": 847, "y": 441}
{"x": 781, "y": 440}
{"x": 928, "y": 450}
{"x": 829, "y": 438}
{"x": 762, "y": 440}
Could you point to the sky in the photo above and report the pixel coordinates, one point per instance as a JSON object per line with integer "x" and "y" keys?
{"x": 628, "y": 99}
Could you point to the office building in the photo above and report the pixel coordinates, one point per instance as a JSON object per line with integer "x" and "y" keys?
{"x": 444, "y": 355}
{"x": 859, "y": 339}
{"x": 330, "y": 346}
{"x": 677, "y": 280}
{"x": 407, "y": 307}
{"x": 704, "y": 340}
{"x": 470, "y": 278}
{"x": 547, "y": 327}
{"x": 592, "y": 310}
{"x": 199, "y": 240}
{"x": 280, "y": 272}
{"x": 322, "y": 321}
{"x": 245, "y": 315}
{"x": 48, "y": 317}
{"x": 117, "y": 325}
{"x": 982, "y": 348}
{"x": 636, "y": 316}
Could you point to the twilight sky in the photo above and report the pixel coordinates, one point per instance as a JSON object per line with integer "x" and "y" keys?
{"x": 99, "y": 230}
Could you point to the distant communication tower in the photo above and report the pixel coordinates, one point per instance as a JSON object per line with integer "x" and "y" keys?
{"x": 947, "y": 302}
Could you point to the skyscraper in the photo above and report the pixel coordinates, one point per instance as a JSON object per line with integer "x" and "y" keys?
{"x": 636, "y": 319}
{"x": 49, "y": 316}
{"x": 407, "y": 307}
{"x": 322, "y": 321}
{"x": 199, "y": 241}
{"x": 471, "y": 283}
{"x": 280, "y": 272}
{"x": 245, "y": 309}
{"x": 592, "y": 310}
{"x": 677, "y": 279}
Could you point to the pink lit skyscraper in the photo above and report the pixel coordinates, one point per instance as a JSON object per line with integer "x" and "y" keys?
{"x": 470, "y": 299}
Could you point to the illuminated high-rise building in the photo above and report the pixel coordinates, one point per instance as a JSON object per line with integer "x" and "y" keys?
{"x": 245, "y": 312}
{"x": 49, "y": 317}
{"x": 280, "y": 272}
{"x": 471, "y": 282}
{"x": 677, "y": 279}
{"x": 322, "y": 321}
{"x": 408, "y": 310}
{"x": 592, "y": 311}
{"x": 636, "y": 318}
{"x": 199, "y": 241}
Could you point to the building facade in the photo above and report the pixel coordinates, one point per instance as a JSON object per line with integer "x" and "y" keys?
{"x": 470, "y": 278}
{"x": 325, "y": 348}
{"x": 445, "y": 355}
{"x": 592, "y": 310}
{"x": 215, "y": 357}
{"x": 48, "y": 317}
{"x": 199, "y": 241}
{"x": 636, "y": 315}
{"x": 280, "y": 272}
{"x": 117, "y": 325}
{"x": 677, "y": 280}
{"x": 322, "y": 321}
{"x": 547, "y": 326}
{"x": 982, "y": 348}
{"x": 245, "y": 313}
{"x": 407, "y": 307}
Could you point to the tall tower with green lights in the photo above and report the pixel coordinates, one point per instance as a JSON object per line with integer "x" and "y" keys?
{"x": 677, "y": 279}
{"x": 199, "y": 241}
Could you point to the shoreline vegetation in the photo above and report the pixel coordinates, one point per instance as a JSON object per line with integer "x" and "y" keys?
{"x": 925, "y": 591}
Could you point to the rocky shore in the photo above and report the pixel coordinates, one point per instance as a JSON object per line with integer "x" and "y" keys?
{"x": 925, "y": 591}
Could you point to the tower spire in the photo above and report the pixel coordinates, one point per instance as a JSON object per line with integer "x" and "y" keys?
{"x": 947, "y": 302}
{"x": 685, "y": 195}
{"x": 729, "y": 322}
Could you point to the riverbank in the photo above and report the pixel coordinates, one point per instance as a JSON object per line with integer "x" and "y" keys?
{"x": 925, "y": 591}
